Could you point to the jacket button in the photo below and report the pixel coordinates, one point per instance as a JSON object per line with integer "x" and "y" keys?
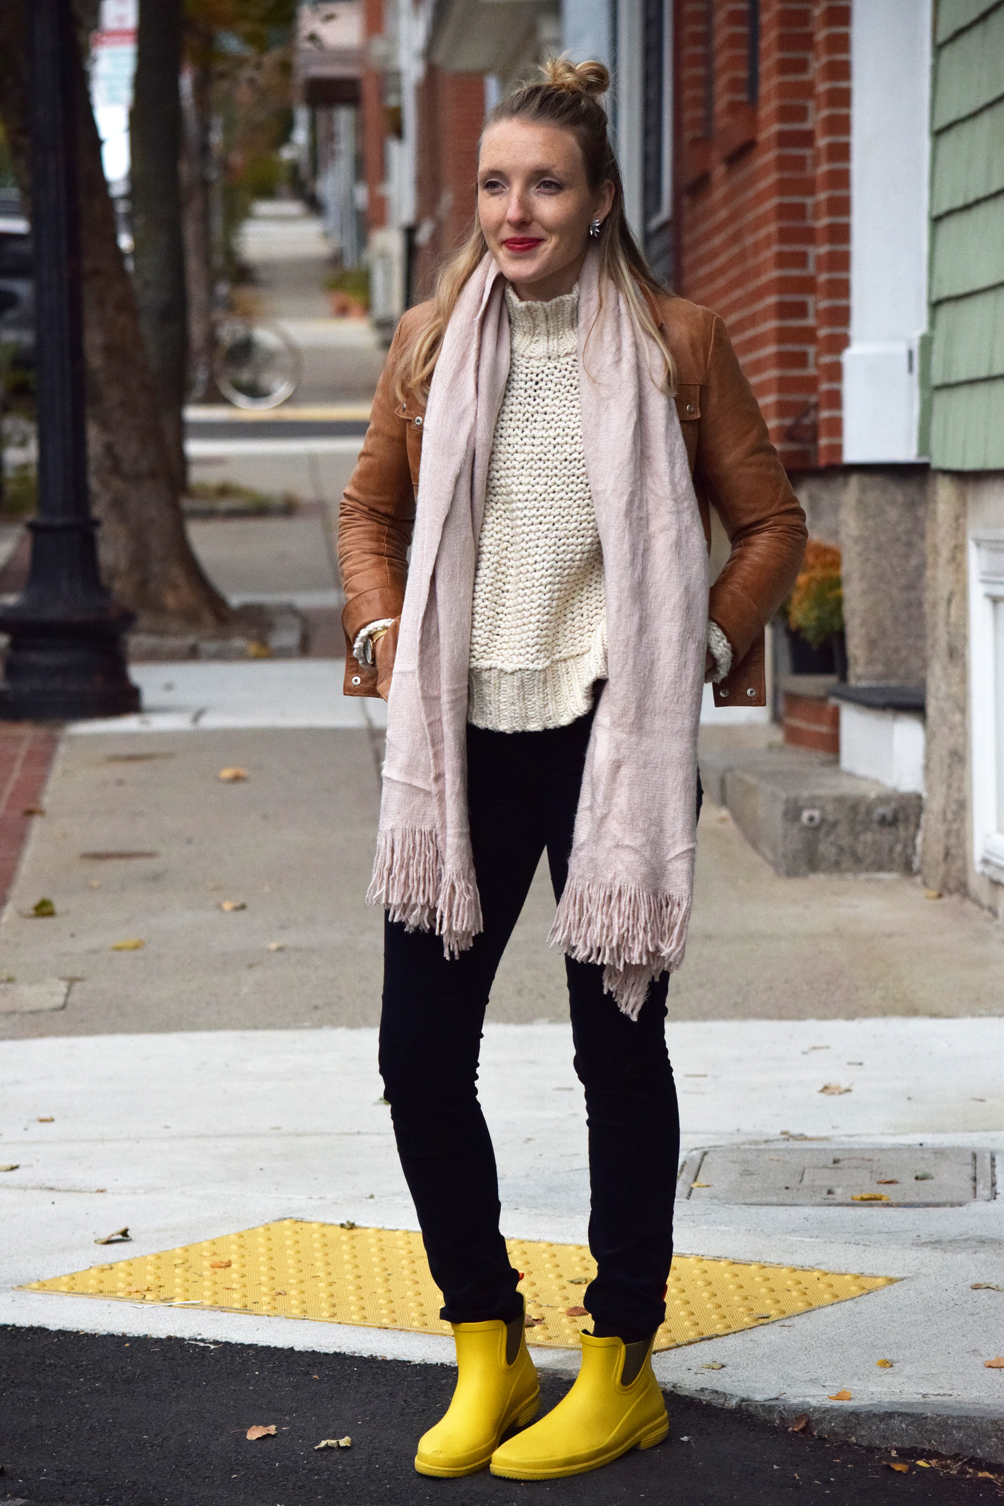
{"x": 357, "y": 679}
{"x": 723, "y": 691}
{"x": 418, "y": 421}
{"x": 751, "y": 692}
{"x": 690, "y": 408}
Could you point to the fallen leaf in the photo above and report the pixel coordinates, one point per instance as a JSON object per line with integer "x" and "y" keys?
{"x": 985, "y": 1286}
{"x": 232, "y": 904}
{"x": 923, "y": 1176}
{"x": 887, "y": 1181}
{"x": 869, "y": 1197}
{"x": 800, "y": 1423}
{"x": 579, "y": 1280}
{"x": 840, "y": 1396}
{"x": 120, "y": 1237}
{"x": 701, "y": 1184}
{"x": 13, "y": 1166}
{"x": 576, "y": 1312}
{"x": 529, "y": 1322}
{"x": 277, "y": 946}
{"x": 46, "y": 1119}
{"x": 33, "y": 810}
{"x": 105, "y": 857}
{"x": 923, "y": 1464}
{"x": 884, "y": 1364}
{"x": 995, "y": 1364}
{"x": 345, "y": 1442}
{"x": 233, "y": 776}
{"x": 348, "y": 1224}
{"x": 43, "y": 908}
{"x": 833, "y": 1089}
{"x": 131, "y": 944}
{"x": 220, "y": 1265}
{"x": 932, "y": 893}
{"x": 761, "y": 1317}
{"x": 256, "y": 650}
{"x": 903, "y": 1469}
{"x": 282, "y": 1294}
{"x": 713, "y": 1365}
{"x": 258, "y": 1431}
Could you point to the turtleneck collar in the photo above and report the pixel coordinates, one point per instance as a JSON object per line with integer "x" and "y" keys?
{"x": 545, "y": 331}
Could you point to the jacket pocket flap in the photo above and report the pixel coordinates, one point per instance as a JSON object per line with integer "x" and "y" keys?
{"x": 688, "y": 402}
{"x": 412, "y": 411}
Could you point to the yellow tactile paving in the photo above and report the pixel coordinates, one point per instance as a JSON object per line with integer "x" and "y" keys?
{"x": 379, "y": 1278}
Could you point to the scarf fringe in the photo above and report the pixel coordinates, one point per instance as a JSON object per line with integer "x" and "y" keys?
{"x": 408, "y": 880}
{"x": 634, "y": 934}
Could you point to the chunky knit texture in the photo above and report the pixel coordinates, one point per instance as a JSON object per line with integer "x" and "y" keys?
{"x": 538, "y": 639}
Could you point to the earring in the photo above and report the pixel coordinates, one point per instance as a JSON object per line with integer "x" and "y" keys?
{"x": 594, "y": 229}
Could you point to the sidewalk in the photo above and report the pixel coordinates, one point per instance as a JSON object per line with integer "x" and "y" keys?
{"x": 211, "y": 1084}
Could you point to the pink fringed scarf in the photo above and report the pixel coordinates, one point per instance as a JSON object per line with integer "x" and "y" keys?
{"x": 627, "y": 901}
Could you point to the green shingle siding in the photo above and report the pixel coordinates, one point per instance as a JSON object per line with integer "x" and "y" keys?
{"x": 969, "y": 70}
{"x": 967, "y": 238}
{"x": 953, "y": 15}
{"x": 968, "y": 339}
{"x": 967, "y": 427}
{"x": 968, "y": 161}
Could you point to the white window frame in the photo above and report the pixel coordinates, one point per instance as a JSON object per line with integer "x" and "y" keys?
{"x": 986, "y": 690}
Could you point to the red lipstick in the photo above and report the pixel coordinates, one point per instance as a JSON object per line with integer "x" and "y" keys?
{"x": 520, "y": 243}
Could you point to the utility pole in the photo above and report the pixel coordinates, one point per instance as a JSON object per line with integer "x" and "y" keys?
{"x": 66, "y": 658}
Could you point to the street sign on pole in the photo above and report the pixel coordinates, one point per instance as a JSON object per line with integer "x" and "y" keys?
{"x": 66, "y": 658}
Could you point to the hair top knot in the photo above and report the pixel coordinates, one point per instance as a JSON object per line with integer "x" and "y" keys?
{"x": 590, "y": 78}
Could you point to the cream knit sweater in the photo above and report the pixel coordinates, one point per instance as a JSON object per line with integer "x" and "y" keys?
{"x": 538, "y": 638}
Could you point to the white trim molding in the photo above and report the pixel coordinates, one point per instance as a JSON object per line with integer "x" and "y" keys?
{"x": 986, "y": 698}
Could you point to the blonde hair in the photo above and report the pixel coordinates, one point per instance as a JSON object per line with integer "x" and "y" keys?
{"x": 569, "y": 98}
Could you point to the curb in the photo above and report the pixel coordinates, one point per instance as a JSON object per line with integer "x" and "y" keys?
{"x": 974, "y": 1434}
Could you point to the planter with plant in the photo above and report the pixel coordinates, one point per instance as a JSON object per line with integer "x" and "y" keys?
{"x": 814, "y": 614}
{"x": 349, "y": 292}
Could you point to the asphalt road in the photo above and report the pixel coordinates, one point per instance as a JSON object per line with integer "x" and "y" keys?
{"x": 111, "y": 1421}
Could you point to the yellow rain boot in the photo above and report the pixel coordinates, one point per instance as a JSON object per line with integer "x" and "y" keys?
{"x": 496, "y": 1390}
{"x": 614, "y": 1405}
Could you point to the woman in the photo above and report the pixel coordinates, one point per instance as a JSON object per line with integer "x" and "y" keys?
{"x": 544, "y": 656}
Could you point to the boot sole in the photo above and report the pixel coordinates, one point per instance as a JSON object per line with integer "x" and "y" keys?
{"x": 648, "y": 1438}
{"x": 525, "y": 1415}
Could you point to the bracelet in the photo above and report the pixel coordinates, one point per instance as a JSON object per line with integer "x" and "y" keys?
{"x": 362, "y": 648}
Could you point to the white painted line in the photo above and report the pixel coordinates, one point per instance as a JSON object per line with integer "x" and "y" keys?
{"x": 304, "y": 600}
{"x": 204, "y": 449}
{"x": 207, "y": 695}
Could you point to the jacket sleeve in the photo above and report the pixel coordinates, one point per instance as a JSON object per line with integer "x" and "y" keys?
{"x": 740, "y": 472}
{"x": 377, "y": 512}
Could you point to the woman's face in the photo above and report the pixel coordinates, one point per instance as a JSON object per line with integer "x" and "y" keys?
{"x": 535, "y": 206}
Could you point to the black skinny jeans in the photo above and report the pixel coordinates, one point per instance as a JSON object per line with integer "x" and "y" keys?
{"x": 523, "y": 790}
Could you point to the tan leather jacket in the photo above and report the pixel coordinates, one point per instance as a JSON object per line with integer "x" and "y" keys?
{"x": 735, "y": 468}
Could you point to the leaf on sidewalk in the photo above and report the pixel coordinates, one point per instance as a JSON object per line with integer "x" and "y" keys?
{"x": 347, "y": 1223}
{"x": 258, "y": 1431}
{"x": 258, "y": 650}
{"x": 903, "y": 1469}
{"x": 994, "y": 1364}
{"x": 232, "y": 904}
{"x": 529, "y": 1322}
{"x": 833, "y": 1089}
{"x": 713, "y": 1365}
{"x": 884, "y": 1364}
{"x": 43, "y": 908}
{"x": 701, "y": 1184}
{"x": 887, "y": 1181}
{"x": 800, "y": 1424}
{"x": 869, "y": 1197}
{"x": 576, "y": 1312}
{"x": 345, "y": 1442}
{"x": 840, "y": 1396}
{"x": 120, "y": 1237}
{"x": 33, "y": 810}
{"x": 45, "y": 1119}
{"x": 131, "y": 944}
{"x": 924, "y": 1176}
{"x": 277, "y": 946}
{"x": 11, "y": 1166}
{"x": 985, "y": 1286}
{"x": 579, "y": 1280}
{"x": 220, "y": 1265}
{"x": 233, "y": 776}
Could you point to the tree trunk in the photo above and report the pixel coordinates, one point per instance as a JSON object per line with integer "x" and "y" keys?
{"x": 155, "y": 145}
{"x": 146, "y": 560}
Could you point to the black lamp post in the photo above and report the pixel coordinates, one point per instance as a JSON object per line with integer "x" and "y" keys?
{"x": 66, "y": 659}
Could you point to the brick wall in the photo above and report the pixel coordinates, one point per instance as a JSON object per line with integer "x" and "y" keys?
{"x": 372, "y": 123}
{"x": 451, "y": 109}
{"x": 762, "y": 196}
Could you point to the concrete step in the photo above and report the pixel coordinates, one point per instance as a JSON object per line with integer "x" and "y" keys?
{"x": 805, "y": 815}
